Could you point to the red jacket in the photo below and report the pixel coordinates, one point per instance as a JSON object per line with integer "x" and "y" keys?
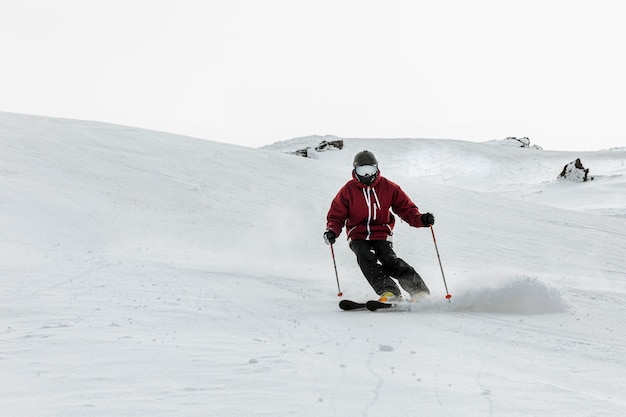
{"x": 366, "y": 210}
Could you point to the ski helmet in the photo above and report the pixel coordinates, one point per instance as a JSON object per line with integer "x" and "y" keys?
{"x": 365, "y": 167}
{"x": 365, "y": 158}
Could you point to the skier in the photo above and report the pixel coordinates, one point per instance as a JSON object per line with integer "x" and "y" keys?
{"x": 364, "y": 206}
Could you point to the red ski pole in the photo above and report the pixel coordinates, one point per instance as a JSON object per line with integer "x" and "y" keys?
{"x": 332, "y": 251}
{"x": 448, "y": 295}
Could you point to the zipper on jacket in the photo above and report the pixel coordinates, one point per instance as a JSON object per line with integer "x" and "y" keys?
{"x": 372, "y": 208}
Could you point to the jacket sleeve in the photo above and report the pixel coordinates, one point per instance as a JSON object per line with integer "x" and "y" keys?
{"x": 405, "y": 208}
{"x": 338, "y": 213}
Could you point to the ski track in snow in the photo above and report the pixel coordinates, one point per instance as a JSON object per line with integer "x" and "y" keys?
{"x": 149, "y": 274}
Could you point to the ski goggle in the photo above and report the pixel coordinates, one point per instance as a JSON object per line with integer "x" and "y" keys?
{"x": 366, "y": 170}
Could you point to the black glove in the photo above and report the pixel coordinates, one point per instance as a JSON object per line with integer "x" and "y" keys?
{"x": 428, "y": 219}
{"x": 330, "y": 237}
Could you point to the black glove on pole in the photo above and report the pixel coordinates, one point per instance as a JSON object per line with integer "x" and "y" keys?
{"x": 330, "y": 237}
{"x": 428, "y": 219}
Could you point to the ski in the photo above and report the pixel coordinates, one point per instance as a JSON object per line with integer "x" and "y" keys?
{"x": 348, "y": 305}
{"x": 371, "y": 305}
{"x": 374, "y": 305}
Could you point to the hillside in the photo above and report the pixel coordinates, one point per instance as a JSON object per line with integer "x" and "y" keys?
{"x": 149, "y": 274}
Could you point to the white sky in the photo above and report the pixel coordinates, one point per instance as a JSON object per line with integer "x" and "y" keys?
{"x": 253, "y": 72}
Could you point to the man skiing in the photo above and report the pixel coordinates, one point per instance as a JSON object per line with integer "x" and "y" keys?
{"x": 364, "y": 206}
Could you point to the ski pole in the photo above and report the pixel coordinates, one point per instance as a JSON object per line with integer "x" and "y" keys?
{"x": 448, "y": 295}
{"x": 332, "y": 251}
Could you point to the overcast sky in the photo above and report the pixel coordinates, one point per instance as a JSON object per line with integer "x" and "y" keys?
{"x": 253, "y": 72}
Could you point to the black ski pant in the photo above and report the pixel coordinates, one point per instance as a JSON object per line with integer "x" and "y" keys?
{"x": 379, "y": 264}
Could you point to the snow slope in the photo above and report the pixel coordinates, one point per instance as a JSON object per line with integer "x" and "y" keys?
{"x": 149, "y": 274}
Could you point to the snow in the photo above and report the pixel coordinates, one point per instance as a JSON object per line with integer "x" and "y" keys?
{"x": 150, "y": 274}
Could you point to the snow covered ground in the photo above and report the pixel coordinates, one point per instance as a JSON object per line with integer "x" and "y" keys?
{"x": 150, "y": 274}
